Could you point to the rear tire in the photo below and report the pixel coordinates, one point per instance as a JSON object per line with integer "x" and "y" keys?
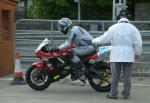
{"x": 103, "y": 83}
{"x": 37, "y": 79}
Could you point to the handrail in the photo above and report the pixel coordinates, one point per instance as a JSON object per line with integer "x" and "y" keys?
{"x": 24, "y": 43}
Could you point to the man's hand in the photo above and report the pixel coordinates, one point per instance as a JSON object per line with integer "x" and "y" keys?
{"x": 137, "y": 56}
{"x": 54, "y": 49}
{"x": 94, "y": 43}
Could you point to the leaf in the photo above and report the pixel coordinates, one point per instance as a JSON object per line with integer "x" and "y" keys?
{"x": 61, "y": 2}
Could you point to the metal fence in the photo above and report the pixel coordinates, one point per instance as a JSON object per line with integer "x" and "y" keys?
{"x": 30, "y": 32}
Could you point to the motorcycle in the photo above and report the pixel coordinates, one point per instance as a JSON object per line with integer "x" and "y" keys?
{"x": 55, "y": 66}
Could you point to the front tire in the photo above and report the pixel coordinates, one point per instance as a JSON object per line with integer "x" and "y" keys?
{"x": 37, "y": 79}
{"x": 103, "y": 83}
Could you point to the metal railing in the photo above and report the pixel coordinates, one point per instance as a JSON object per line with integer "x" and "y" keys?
{"x": 30, "y": 32}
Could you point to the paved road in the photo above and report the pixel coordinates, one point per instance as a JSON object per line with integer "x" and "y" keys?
{"x": 66, "y": 93}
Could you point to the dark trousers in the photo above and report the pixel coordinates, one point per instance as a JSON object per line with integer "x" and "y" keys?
{"x": 116, "y": 68}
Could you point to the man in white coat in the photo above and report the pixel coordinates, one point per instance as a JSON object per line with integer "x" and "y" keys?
{"x": 126, "y": 47}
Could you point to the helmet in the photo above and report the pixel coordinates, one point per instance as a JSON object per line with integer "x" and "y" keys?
{"x": 123, "y": 14}
{"x": 64, "y": 25}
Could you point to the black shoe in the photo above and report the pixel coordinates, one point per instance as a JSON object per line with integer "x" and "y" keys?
{"x": 73, "y": 77}
{"x": 111, "y": 97}
{"x": 76, "y": 75}
{"x": 126, "y": 97}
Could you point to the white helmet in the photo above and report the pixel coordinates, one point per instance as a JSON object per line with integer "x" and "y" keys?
{"x": 64, "y": 25}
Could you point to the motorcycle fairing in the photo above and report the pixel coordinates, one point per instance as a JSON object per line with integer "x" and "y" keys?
{"x": 42, "y": 54}
{"x": 95, "y": 56}
{"x": 39, "y": 65}
{"x": 45, "y": 42}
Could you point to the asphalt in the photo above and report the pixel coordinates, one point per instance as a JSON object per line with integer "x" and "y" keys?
{"x": 66, "y": 92}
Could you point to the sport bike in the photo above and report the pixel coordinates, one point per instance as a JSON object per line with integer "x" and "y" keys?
{"x": 55, "y": 66}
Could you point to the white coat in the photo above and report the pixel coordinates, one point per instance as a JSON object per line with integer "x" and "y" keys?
{"x": 125, "y": 40}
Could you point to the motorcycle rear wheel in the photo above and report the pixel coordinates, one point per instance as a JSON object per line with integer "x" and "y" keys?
{"x": 102, "y": 84}
{"x": 37, "y": 79}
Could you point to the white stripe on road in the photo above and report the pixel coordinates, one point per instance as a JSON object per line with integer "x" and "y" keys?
{"x": 146, "y": 85}
{"x": 6, "y": 78}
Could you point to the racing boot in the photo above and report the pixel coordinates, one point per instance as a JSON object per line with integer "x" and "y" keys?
{"x": 79, "y": 82}
{"x": 77, "y": 74}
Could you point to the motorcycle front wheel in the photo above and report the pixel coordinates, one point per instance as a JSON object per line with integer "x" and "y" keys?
{"x": 103, "y": 83}
{"x": 37, "y": 79}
